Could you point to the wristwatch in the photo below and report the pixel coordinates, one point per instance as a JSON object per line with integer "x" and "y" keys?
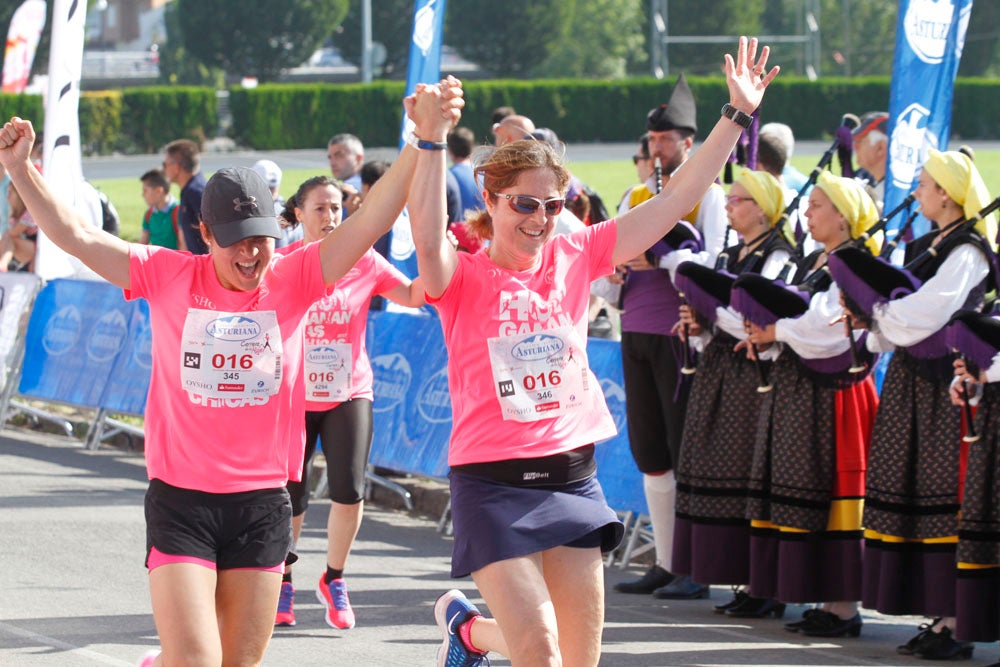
{"x": 744, "y": 120}
{"x": 410, "y": 138}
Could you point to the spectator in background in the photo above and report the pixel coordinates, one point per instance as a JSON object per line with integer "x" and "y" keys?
{"x": 182, "y": 165}
{"x": 19, "y": 241}
{"x": 782, "y": 134}
{"x": 512, "y": 128}
{"x": 500, "y": 113}
{"x": 461, "y": 141}
{"x": 271, "y": 173}
{"x": 161, "y": 222}
{"x": 346, "y": 154}
{"x": 871, "y": 150}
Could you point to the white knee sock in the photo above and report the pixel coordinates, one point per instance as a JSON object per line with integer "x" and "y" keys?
{"x": 661, "y": 494}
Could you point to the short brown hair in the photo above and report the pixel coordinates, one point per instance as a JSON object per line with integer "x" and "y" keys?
{"x": 186, "y": 153}
{"x": 500, "y": 168}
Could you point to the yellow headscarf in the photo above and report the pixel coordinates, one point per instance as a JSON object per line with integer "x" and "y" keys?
{"x": 768, "y": 194}
{"x": 765, "y": 190}
{"x": 854, "y": 203}
{"x": 958, "y": 176}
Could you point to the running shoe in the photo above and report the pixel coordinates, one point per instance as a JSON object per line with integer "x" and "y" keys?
{"x": 286, "y": 606}
{"x": 450, "y": 611}
{"x": 338, "y": 607}
{"x": 149, "y": 658}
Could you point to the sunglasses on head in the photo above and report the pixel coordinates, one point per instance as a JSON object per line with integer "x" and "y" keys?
{"x": 527, "y": 204}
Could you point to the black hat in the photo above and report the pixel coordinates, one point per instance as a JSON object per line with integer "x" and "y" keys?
{"x": 976, "y": 335}
{"x": 677, "y": 114}
{"x": 705, "y": 289}
{"x": 764, "y": 301}
{"x": 865, "y": 280}
{"x": 237, "y": 204}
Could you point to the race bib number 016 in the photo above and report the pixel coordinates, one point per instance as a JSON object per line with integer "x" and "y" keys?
{"x": 231, "y": 355}
{"x": 540, "y": 375}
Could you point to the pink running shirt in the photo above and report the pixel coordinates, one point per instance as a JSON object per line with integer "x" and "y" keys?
{"x": 341, "y": 316}
{"x": 223, "y": 445}
{"x": 485, "y": 301}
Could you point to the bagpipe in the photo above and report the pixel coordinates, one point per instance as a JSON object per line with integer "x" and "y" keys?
{"x": 866, "y": 281}
{"x": 975, "y": 337}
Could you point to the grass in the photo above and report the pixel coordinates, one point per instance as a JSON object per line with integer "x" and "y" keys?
{"x": 610, "y": 178}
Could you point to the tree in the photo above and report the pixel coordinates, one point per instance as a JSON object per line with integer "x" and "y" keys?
{"x": 981, "y": 56}
{"x": 392, "y": 25}
{"x": 176, "y": 64}
{"x": 605, "y": 40}
{"x": 857, "y": 38}
{"x": 510, "y": 39}
{"x": 256, "y": 38}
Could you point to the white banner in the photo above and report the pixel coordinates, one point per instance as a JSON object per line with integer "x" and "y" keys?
{"x": 61, "y": 162}
{"x": 22, "y": 41}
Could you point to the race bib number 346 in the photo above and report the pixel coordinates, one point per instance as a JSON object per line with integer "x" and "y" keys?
{"x": 231, "y": 355}
{"x": 539, "y": 375}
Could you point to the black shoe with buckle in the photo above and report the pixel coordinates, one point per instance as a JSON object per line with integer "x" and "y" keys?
{"x": 795, "y": 626}
{"x": 757, "y": 608}
{"x": 911, "y": 646}
{"x": 654, "y": 578}
{"x": 942, "y": 646}
{"x": 828, "y": 624}
{"x": 738, "y": 598}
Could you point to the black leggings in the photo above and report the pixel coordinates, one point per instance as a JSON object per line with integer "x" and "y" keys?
{"x": 346, "y": 434}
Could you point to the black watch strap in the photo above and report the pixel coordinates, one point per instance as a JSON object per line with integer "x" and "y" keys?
{"x": 744, "y": 120}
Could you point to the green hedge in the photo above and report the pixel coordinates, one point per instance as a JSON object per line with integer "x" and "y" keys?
{"x": 277, "y": 116}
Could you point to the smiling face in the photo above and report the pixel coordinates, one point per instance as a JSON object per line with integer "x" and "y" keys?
{"x": 321, "y": 212}
{"x": 518, "y": 237}
{"x": 242, "y": 266}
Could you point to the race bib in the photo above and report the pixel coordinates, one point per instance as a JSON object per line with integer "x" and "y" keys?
{"x": 328, "y": 372}
{"x": 540, "y": 375}
{"x": 231, "y": 355}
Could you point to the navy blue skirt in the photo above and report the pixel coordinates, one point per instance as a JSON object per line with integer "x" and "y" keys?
{"x": 495, "y": 521}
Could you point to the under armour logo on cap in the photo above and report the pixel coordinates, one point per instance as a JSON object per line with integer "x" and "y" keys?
{"x": 237, "y": 204}
{"x": 240, "y": 203}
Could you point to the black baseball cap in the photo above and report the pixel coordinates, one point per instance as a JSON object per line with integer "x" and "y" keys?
{"x": 237, "y": 204}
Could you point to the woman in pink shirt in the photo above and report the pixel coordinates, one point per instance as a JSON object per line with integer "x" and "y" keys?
{"x": 339, "y": 379}
{"x": 530, "y": 518}
{"x": 224, "y": 427}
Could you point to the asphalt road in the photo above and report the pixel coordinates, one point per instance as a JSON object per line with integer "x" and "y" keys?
{"x": 73, "y": 588}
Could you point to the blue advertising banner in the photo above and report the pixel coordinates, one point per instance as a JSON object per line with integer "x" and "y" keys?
{"x": 89, "y": 347}
{"x": 930, "y": 35}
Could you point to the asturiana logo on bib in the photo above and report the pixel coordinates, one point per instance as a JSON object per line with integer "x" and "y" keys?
{"x": 927, "y": 24}
{"x": 62, "y": 331}
{"x": 323, "y": 355}
{"x": 910, "y": 144}
{"x": 234, "y": 328}
{"x": 537, "y": 347}
{"x": 107, "y": 336}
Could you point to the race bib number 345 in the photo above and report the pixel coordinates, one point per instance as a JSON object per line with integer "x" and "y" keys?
{"x": 231, "y": 355}
{"x": 540, "y": 375}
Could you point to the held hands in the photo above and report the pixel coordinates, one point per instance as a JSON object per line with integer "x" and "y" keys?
{"x": 435, "y": 108}
{"x": 16, "y": 139}
{"x": 746, "y": 76}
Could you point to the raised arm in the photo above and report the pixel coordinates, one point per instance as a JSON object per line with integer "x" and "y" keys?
{"x": 436, "y": 256}
{"x": 642, "y": 226}
{"x": 434, "y": 109}
{"x": 103, "y": 253}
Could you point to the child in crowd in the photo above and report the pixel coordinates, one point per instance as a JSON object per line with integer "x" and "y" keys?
{"x": 160, "y": 224}
{"x": 18, "y": 242}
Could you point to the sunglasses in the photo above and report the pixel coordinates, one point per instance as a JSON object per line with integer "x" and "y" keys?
{"x": 527, "y": 204}
{"x": 637, "y": 158}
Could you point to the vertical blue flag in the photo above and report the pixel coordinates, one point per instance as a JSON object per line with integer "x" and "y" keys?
{"x": 424, "y": 67}
{"x": 930, "y": 35}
